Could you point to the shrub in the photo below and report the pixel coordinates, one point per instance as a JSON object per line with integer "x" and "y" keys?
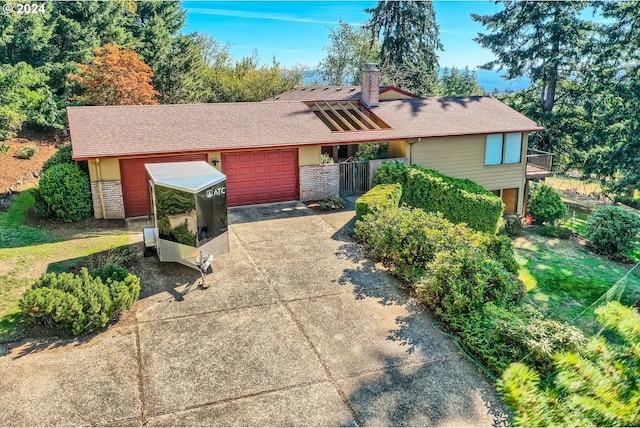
{"x": 64, "y": 193}
{"x": 513, "y": 225}
{"x": 369, "y": 151}
{"x": 501, "y": 336}
{"x": 407, "y": 239}
{"x": 10, "y": 122}
{"x": 613, "y": 230}
{"x": 27, "y": 152}
{"x": 460, "y": 201}
{"x": 462, "y": 281}
{"x": 546, "y": 205}
{"x": 333, "y": 203}
{"x": 62, "y": 156}
{"x": 596, "y": 387}
{"x": 552, "y": 231}
{"x": 500, "y": 249}
{"x": 325, "y": 158}
{"x": 379, "y": 197}
{"x": 631, "y": 202}
{"x": 78, "y": 303}
{"x": 111, "y": 271}
{"x": 4, "y": 148}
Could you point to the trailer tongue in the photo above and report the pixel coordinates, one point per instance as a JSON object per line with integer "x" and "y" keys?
{"x": 189, "y": 203}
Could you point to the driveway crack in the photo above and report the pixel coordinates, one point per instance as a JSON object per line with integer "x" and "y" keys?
{"x": 143, "y": 403}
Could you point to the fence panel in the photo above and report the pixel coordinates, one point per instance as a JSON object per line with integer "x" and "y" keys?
{"x": 354, "y": 178}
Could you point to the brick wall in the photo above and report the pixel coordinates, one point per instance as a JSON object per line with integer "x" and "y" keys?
{"x": 319, "y": 181}
{"x": 113, "y": 202}
{"x": 375, "y": 164}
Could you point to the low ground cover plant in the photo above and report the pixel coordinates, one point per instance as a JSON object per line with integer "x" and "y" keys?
{"x": 76, "y": 304}
{"x": 460, "y": 201}
{"x": 332, "y": 203}
{"x": 27, "y": 152}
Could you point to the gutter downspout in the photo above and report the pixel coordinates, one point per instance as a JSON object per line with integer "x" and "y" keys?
{"x": 99, "y": 177}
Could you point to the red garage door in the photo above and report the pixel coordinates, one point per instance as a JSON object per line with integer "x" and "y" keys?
{"x": 261, "y": 177}
{"x": 135, "y": 184}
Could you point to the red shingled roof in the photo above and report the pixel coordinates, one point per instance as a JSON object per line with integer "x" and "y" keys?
{"x": 119, "y": 131}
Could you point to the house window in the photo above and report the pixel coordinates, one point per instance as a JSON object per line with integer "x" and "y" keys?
{"x": 503, "y": 149}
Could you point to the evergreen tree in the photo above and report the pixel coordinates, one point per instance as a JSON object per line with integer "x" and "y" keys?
{"x": 410, "y": 40}
{"x": 599, "y": 387}
{"x": 543, "y": 41}
{"x": 613, "y": 149}
{"x": 453, "y": 83}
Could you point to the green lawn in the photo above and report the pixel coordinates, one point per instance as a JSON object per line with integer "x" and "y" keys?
{"x": 28, "y": 252}
{"x": 564, "y": 279}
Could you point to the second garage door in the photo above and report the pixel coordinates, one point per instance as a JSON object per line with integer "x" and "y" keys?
{"x": 135, "y": 184}
{"x": 261, "y": 177}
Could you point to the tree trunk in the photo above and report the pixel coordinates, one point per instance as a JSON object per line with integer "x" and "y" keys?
{"x": 549, "y": 94}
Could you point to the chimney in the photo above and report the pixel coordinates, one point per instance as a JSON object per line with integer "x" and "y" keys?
{"x": 370, "y": 84}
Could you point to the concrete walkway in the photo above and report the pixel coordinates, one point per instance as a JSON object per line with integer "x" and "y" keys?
{"x": 297, "y": 328}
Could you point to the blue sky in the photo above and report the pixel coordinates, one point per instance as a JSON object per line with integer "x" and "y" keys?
{"x": 296, "y": 31}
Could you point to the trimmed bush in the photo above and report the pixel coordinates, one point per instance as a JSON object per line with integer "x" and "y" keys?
{"x": 407, "y": 239}
{"x": 545, "y": 205}
{"x": 379, "y": 197}
{"x": 78, "y": 303}
{"x": 460, "y": 201}
{"x": 462, "y": 281}
{"x": 64, "y": 155}
{"x": 27, "y": 152}
{"x": 613, "y": 230}
{"x": 64, "y": 193}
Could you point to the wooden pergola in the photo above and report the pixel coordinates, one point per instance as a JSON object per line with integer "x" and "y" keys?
{"x": 346, "y": 116}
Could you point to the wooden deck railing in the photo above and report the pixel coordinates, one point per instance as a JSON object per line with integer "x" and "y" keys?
{"x": 540, "y": 159}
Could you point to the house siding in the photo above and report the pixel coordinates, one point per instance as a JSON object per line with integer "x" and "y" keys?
{"x": 308, "y": 155}
{"x": 112, "y": 196}
{"x": 463, "y": 157}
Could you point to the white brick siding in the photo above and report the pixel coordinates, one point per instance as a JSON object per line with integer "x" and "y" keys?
{"x": 319, "y": 181}
{"x": 113, "y": 202}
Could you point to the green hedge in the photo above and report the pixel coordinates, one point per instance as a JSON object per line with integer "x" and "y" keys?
{"x": 382, "y": 196}
{"x": 460, "y": 201}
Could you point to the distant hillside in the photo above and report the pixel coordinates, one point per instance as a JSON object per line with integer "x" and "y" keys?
{"x": 489, "y": 80}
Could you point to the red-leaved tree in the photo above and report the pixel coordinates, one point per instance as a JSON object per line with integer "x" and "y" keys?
{"x": 116, "y": 76}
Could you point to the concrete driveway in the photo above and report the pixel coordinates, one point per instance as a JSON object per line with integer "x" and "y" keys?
{"x": 297, "y": 328}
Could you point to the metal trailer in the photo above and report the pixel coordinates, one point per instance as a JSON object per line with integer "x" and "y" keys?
{"x": 189, "y": 203}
